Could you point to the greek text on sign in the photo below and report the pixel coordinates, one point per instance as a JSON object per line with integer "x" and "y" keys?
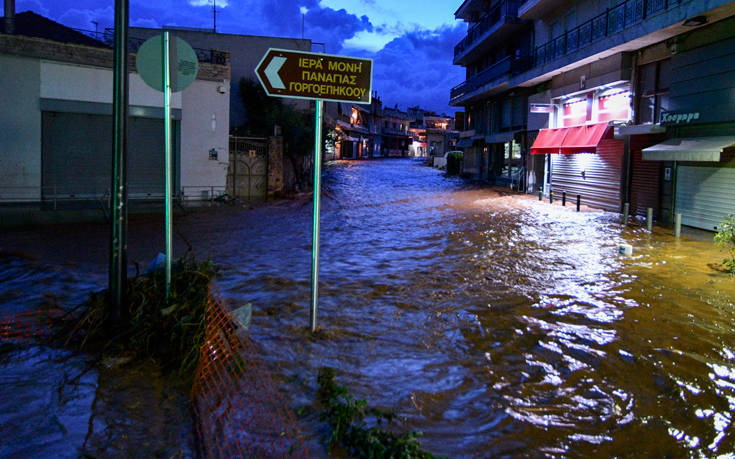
{"x": 302, "y": 75}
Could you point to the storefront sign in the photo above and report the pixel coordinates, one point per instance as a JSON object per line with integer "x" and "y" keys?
{"x": 542, "y": 108}
{"x": 669, "y": 118}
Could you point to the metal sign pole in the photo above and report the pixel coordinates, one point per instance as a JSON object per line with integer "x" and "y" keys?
{"x": 168, "y": 160}
{"x": 317, "y": 199}
{"x": 118, "y": 273}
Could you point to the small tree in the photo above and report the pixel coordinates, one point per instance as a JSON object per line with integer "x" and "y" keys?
{"x": 263, "y": 112}
{"x": 725, "y": 237}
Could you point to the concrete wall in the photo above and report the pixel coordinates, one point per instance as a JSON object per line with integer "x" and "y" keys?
{"x": 20, "y": 128}
{"x": 604, "y": 71}
{"x": 25, "y": 80}
{"x": 93, "y": 84}
{"x": 703, "y": 74}
{"x": 205, "y": 125}
{"x": 246, "y": 51}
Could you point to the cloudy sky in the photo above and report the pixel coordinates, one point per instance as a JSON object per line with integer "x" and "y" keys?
{"x": 411, "y": 41}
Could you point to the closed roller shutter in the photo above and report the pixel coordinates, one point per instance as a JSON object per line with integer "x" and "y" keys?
{"x": 146, "y": 166}
{"x": 705, "y": 195}
{"x": 77, "y": 150}
{"x": 644, "y": 186}
{"x": 600, "y": 185}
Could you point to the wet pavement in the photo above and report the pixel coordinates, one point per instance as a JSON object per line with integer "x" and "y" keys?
{"x": 493, "y": 323}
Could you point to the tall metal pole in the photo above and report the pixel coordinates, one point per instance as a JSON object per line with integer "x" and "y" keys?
{"x": 317, "y": 201}
{"x": 169, "y": 157}
{"x": 119, "y": 196}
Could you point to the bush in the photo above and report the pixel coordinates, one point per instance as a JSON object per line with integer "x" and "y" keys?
{"x": 171, "y": 333}
{"x": 454, "y": 161}
{"x": 458, "y": 155}
{"x": 725, "y": 237}
{"x": 346, "y": 417}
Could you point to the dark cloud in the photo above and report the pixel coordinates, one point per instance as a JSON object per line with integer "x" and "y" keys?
{"x": 413, "y": 69}
{"x": 85, "y": 18}
{"x": 416, "y": 68}
{"x": 333, "y": 27}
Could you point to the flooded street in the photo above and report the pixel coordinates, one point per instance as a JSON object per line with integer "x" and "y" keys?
{"x": 493, "y": 323}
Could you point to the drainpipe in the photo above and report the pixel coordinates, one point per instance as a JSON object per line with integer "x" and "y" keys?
{"x": 9, "y": 19}
{"x": 628, "y": 154}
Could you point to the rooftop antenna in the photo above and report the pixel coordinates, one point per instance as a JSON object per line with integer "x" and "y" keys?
{"x": 304, "y": 10}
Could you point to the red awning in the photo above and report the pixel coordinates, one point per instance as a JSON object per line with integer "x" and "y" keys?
{"x": 574, "y": 139}
{"x": 548, "y": 141}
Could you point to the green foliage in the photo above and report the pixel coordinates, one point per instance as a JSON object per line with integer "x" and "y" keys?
{"x": 265, "y": 112}
{"x": 172, "y": 333}
{"x": 725, "y": 237}
{"x": 346, "y": 417}
{"x": 458, "y": 155}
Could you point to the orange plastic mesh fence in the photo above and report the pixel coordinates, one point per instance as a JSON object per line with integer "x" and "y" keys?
{"x": 26, "y": 326}
{"x": 240, "y": 411}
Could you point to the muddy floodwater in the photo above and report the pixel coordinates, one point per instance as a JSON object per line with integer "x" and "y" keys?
{"x": 495, "y": 324}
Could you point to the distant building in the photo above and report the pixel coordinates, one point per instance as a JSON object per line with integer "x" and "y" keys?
{"x": 55, "y": 113}
{"x": 395, "y": 132}
{"x": 245, "y": 51}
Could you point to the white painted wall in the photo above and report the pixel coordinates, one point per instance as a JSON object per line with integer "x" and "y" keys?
{"x": 24, "y": 80}
{"x": 20, "y": 129}
{"x": 92, "y": 84}
{"x": 205, "y": 124}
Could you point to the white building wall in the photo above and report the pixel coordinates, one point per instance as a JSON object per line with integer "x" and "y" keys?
{"x": 205, "y": 125}
{"x": 20, "y": 129}
{"x": 92, "y": 84}
{"x": 205, "y": 107}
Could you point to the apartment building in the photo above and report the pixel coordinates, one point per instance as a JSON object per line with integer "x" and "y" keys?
{"x": 618, "y": 101}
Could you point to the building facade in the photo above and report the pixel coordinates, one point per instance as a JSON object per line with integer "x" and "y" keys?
{"x": 56, "y": 113}
{"x": 592, "y": 98}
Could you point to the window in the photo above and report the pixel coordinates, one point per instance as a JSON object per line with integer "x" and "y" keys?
{"x": 614, "y": 105}
{"x": 653, "y": 91}
{"x": 576, "y": 111}
{"x": 505, "y": 121}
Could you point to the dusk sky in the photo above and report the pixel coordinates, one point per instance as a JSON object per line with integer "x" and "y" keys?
{"x": 411, "y": 41}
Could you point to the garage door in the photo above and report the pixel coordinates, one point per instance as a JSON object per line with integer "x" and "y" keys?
{"x": 77, "y": 150}
{"x": 705, "y": 195}
{"x": 596, "y": 177}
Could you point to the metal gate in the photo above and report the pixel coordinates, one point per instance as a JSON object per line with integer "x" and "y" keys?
{"x": 248, "y": 174}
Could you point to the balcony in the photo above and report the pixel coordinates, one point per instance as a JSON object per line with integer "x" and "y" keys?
{"x": 611, "y": 22}
{"x": 484, "y": 82}
{"x": 536, "y": 9}
{"x": 494, "y": 23}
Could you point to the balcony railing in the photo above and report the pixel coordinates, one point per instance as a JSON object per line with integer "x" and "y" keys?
{"x": 494, "y": 72}
{"x": 612, "y": 21}
{"x": 497, "y": 15}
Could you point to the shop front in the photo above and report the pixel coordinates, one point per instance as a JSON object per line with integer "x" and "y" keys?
{"x": 583, "y": 157}
{"x": 704, "y": 171}
{"x": 584, "y": 160}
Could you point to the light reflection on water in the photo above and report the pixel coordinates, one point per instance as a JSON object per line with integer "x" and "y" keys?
{"x": 495, "y": 324}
